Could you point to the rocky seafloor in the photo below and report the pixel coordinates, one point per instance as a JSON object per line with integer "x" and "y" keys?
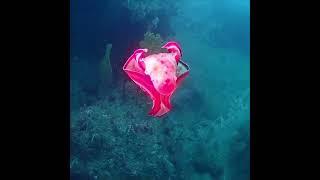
{"x": 114, "y": 138}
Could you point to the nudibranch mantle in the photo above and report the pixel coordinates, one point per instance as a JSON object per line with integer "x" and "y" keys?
{"x": 162, "y": 69}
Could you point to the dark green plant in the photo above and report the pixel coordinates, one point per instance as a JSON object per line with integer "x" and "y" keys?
{"x": 105, "y": 71}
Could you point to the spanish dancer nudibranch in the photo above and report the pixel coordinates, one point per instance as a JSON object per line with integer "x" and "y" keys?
{"x": 158, "y": 75}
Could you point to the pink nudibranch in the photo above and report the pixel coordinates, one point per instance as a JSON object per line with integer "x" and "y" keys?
{"x": 158, "y": 75}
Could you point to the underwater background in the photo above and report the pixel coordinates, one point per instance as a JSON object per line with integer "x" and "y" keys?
{"x": 205, "y": 136}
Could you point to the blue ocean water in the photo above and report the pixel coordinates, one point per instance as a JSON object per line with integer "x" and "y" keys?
{"x": 206, "y": 135}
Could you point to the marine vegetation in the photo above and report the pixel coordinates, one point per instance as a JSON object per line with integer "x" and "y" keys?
{"x": 152, "y": 42}
{"x": 105, "y": 72}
